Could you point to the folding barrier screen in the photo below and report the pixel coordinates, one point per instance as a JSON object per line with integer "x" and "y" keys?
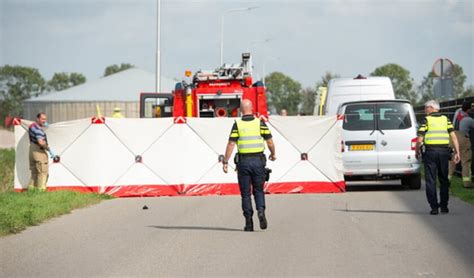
{"x": 155, "y": 157}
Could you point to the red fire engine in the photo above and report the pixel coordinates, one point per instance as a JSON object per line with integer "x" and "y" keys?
{"x": 215, "y": 93}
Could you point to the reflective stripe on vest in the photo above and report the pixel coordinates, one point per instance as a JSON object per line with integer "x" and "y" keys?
{"x": 437, "y": 131}
{"x": 250, "y": 140}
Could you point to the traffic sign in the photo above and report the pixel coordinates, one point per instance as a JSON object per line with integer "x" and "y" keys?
{"x": 443, "y": 68}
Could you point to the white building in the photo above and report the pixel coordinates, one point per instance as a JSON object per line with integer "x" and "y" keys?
{"x": 117, "y": 90}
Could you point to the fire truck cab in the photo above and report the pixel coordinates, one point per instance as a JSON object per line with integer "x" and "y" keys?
{"x": 209, "y": 94}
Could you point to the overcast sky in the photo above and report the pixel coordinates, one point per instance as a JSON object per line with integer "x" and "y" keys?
{"x": 307, "y": 38}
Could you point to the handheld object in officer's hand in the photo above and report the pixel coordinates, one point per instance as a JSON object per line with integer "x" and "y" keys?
{"x": 55, "y": 158}
{"x": 268, "y": 171}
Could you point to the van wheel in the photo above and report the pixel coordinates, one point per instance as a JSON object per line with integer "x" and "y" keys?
{"x": 412, "y": 181}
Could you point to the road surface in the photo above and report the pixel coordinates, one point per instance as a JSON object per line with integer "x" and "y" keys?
{"x": 381, "y": 233}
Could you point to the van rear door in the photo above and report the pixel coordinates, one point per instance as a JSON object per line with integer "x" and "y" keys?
{"x": 396, "y": 130}
{"x": 360, "y": 139}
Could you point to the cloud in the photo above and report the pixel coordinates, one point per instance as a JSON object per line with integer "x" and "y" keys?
{"x": 308, "y": 37}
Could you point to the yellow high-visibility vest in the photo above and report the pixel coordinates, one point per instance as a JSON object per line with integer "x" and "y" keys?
{"x": 250, "y": 140}
{"x": 437, "y": 130}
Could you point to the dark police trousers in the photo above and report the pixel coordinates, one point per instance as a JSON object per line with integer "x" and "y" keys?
{"x": 251, "y": 175}
{"x": 436, "y": 164}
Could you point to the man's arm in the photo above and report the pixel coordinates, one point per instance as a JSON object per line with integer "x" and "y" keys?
{"x": 42, "y": 143}
{"x": 418, "y": 147}
{"x": 271, "y": 147}
{"x": 454, "y": 139}
{"x": 40, "y": 136}
{"x": 228, "y": 152}
{"x": 421, "y": 136}
{"x": 267, "y": 136}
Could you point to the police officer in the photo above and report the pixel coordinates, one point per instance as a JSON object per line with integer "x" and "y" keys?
{"x": 250, "y": 133}
{"x": 434, "y": 133}
{"x": 38, "y": 153}
{"x": 117, "y": 113}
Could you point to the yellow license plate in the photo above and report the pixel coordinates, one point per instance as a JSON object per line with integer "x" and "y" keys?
{"x": 367, "y": 147}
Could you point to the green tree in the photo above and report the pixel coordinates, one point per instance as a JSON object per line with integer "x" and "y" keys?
{"x": 459, "y": 78}
{"x": 18, "y": 83}
{"x": 426, "y": 89}
{"x": 401, "y": 81}
{"x": 325, "y": 79}
{"x": 116, "y": 68}
{"x": 308, "y": 99}
{"x": 323, "y": 83}
{"x": 284, "y": 92}
{"x": 63, "y": 80}
{"x": 469, "y": 92}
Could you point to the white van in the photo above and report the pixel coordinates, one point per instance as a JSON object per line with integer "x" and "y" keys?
{"x": 379, "y": 140}
{"x": 354, "y": 89}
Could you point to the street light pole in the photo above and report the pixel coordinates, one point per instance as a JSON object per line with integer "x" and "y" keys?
{"x": 222, "y": 28}
{"x": 158, "y": 48}
{"x": 264, "y": 41}
{"x": 222, "y": 40}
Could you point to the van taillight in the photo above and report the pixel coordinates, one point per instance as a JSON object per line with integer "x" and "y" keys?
{"x": 413, "y": 143}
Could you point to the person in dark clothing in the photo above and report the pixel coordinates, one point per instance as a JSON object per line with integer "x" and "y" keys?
{"x": 250, "y": 133}
{"x": 435, "y": 132}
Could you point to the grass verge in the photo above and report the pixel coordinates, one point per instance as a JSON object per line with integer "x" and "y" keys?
{"x": 7, "y": 162}
{"x": 457, "y": 189}
{"x": 20, "y": 210}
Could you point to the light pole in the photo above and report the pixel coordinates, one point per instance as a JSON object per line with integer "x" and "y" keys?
{"x": 158, "y": 47}
{"x": 264, "y": 41}
{"x": 222, "y": 27}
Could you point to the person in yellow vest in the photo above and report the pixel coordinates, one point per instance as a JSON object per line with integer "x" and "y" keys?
{"x": 435, "y": 132}
{"x": 250, "y": 133}
{"x": 117, "y": 113}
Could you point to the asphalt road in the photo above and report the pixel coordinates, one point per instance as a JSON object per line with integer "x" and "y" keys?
{"x": 381, "y": 233}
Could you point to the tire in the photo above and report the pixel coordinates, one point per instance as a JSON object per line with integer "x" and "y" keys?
{"x": 412, "y": 181}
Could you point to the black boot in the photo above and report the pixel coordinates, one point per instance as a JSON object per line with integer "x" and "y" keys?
{"x": 262, "y": 219}
{"x": 248, "y": 224}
